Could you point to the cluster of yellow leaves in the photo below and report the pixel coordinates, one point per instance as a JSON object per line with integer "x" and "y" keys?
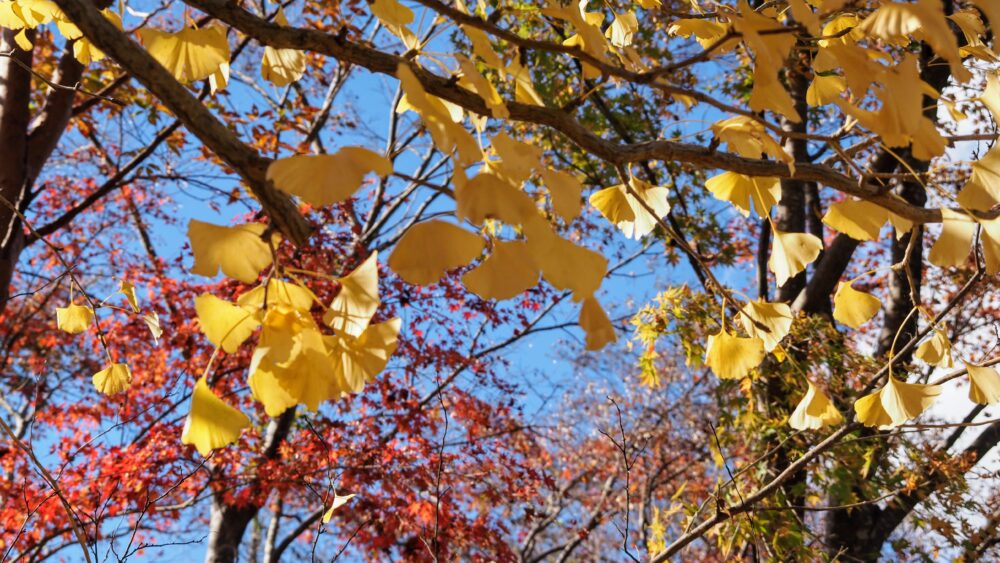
{"x": 76, "y": 319}
{"x": 22, "y": 15}
{"x": 296, "y": 360}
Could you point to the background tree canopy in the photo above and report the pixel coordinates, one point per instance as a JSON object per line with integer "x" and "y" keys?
{"x": 671, "y": 280}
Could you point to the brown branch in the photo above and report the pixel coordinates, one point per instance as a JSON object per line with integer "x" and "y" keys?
{"x": 192, "y": 113}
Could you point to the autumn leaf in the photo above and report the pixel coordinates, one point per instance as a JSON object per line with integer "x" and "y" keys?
{"x": 189, "y": 54}
{"x": 240, "y": 252}
{"x": 791, "y": 253}
{"x": 740, "y": 190}
{"x": 325, "y": 179}
{"x": 114, "y": 379}
{"x": 73, "y": 318}
{"x": 852, "y": 307}
{"x": 430, "y": 249}
{"x": 895, "y": 403}
{"x": 769, "y": 322}
{"x": 984, "y": 387}
{"x": 936, "y": 350}
{"x": 212, "y": 423}
{"x": 732, "y": 357}
{"x": 814, "y": 411}
{"x": 508, "y": 271}
{"x": 356, "y": 303}
{"x": 599, "y": 332}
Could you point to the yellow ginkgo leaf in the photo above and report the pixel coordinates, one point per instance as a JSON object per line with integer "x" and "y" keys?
{"x": 364, "y": 358}
{"x": 83, "y": 50}
{"x": 564, "y": 191}
{"x": 517, "y": 158}
{"x": 211, "y": 423}
{"x": 113, "y": 379}
{"x": 955, "y": 242}
{"x": 296, "y": 353}
{"x": 278, "y": 292}
{"x": 622, "y": 29}
{"x": 613, "y": 204}
{"x": 991, "y": 244}
{"x": 732, "y": 357}
{"x": 769, "y": 93}
{"x": 564, "y": 264}
{"x": 448, "y": 135}
{"x": 814, "y": 411}
{"x": 507, "y": 272}
{"x": 748, "y": 137}
{"x": 791, "y": 253}
{"x": 936, "y": 350}
{"x": 473, "y": 80}
{"x": 825, "y": 89}
{"x": 74, "y": 319}
{"x": 740, "y": 190}
{"x": 858, "y": 219}
{"x": 224, "y": 324}
{"x": 895, "y": 403}
{"x": 128, "y": 290}
{"x": 325, "y": 179}
{"x": 190, "y": 54}
{"x": 769, "y": 322}
{"x": 266, "y": 388}
{"x": 281, "y": 67}
{"x": 985, "y": 384}
{"x": 430, "y": 249}
{"x": 338, "y": 501}
{"x": 239, "y": 251}
{"x": 353, "y": 308}
{"x": 487, "y": 196}
{"x": 852, "y": 307}
{"x": 982, "y": 191}
{"x": 597, "y": 327}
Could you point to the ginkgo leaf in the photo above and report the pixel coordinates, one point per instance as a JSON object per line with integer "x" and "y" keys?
{"x": 74, "y": 318}
{"x": 473, "y": 80}
{"x": 395, "y": 17}
{"x": 364, "y": 358}
{"x": 211, "y": 423}
{"x": 814, "y": 411}
{"x": 113, "y": 379}
{"x": 564, "y": 191}
{"x": 982, "y": 191}
{"x": 325, "y": 179}
{"x": 856, "y": 218}
{"x": 152, "y": 321}
{"x": 732, "y": 357}
{"x": 83, "y": 50}
{"x": 791, "y": 253}
{"x": 225, "y": 325}
{"x": 265, "y": 387}
{"x": 355, "y": 305}
{"x": 597, "y": 327}
{"x": 189, "y": 54}
{"x": 613, "y": 204}
{"x": 487, "y": 196}
{"x": 297, "y": 354}
{"x": 281, "y": 67}
{"x": 622, "y": 29}
{"x": 338, "y": 501}
{"x": 955, "y": 241}
{"x": 508, "y": 271}
{"x": 991, "y": 244}
{"x": 985, "y": 384}
{"x": 517, "y": 159}
{"x": 128, "y": 290}
{"x": 748, "y": 137}
{"x": 768, "y": 321}
{"x": 448, "y": 135}
{"x": 769, "y": 93}
{"x": 278, "y": 292}
{"x": 895, "y": 403}
{"x": 852, "y": 307}
{"x": 564, "y": 264}
{"x": 740, "y": 190}
{"x": 430, "y": 249}
{"x": 239, "y": 251}
{"x": 936, "y": 350}
{"x": 825, "y": 89}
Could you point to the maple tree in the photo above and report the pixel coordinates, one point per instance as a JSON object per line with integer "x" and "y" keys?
{"x": 406, "y": 196}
